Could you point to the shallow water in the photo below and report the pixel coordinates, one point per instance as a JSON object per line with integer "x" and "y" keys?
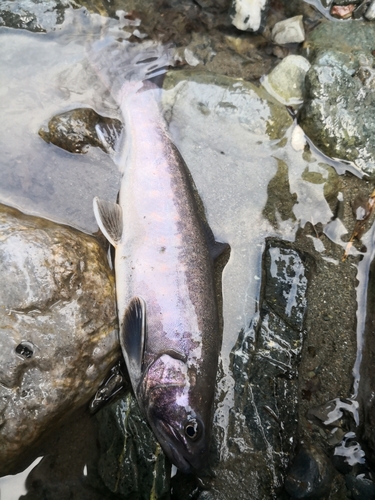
{"x": 232, "y": 158}
{"x": 41, "y": 179}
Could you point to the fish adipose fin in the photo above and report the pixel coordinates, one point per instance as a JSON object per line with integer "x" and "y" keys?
{"x": 216, "y": 248}
{"x": 109, "y": 218}
{"x": 133, "y": 338}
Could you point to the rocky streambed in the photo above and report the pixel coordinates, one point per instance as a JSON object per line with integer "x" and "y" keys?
{"x": 294, "y": 404}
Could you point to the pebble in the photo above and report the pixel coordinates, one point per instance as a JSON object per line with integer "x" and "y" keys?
{"x": 342, "y": 11}
{"x": 249, "y": 14}
{"x": 310, "y": 475}
{"x": 286, "y": 81}
{"x": 289, "y": 31}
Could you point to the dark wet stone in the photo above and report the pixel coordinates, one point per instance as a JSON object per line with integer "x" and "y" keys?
{"x": 76, "y": 130}
{"x": 360, "y": 488}
{"x": 310, "y": 474}
{"x": 265, "y": 368}
{"x": 131, "y": 463}
{"x": 286, "y": 284}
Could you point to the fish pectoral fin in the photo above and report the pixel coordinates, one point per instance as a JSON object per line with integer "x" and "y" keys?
{"x": 109, "y": 218}
{"x": 133, "y": 338}
{"x": 216, "y": 248}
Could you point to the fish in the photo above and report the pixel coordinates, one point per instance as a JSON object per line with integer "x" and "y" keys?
{"x": 164, "y": 272}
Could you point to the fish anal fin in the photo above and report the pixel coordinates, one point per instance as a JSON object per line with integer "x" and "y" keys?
{"x": 109, "y": 218}
{"x": 133, "y": 338}
{"x": 216, "y": 248}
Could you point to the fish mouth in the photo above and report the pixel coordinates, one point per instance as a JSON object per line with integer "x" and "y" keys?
{"x": 169, "y": 442}
{"x": 179, "y": 460}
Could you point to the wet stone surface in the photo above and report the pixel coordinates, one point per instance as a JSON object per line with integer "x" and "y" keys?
{"x": 131, "y": 463}
{"x": 58, "y": 328}
{"x": 78, "y": 129}
{"x": 33, "y": 15}
{"x": 265, "y": 368}
{"x": 338, "y": 112}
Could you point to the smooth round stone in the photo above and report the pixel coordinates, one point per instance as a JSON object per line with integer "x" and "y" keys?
{"x": 289, "y": 31}
{"x": 58, "y": 328}
{"x": 286, "y": 82}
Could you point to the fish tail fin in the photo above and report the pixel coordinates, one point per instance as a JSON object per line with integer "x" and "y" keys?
{"x": 126, "y": 67}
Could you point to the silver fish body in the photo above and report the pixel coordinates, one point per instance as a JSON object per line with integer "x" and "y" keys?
{"x": 166, "y": 300}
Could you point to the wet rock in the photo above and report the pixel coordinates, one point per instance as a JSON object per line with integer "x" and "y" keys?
{"x": 132, "y": 465}
{"x": 58, "y": 328}
{"x": 338, "y": 113}
{"x": 342, "y": 11}
{"x": 310, "y": 474}
{"x": 249, "y": 15}
{"x": 34, "y": 15}
{"x": 286, "y": 82}
{"x": 80, "y": 128}
{"x": 263, "y": 424}
{"x": 361, "y": 488}
{"x": 289, "y": 31}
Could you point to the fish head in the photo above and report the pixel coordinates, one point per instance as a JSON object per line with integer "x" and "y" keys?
{"x": 178, "y": 421}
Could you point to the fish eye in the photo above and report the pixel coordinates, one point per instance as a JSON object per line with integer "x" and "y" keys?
{"x": 192, "y": 429}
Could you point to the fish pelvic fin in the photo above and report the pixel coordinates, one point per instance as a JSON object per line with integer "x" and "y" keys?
{"x": 109, "y": 218}
{"x": 133, "y": 339}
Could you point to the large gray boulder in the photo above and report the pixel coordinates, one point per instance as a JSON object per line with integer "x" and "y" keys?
{"x": 58, "y": 332}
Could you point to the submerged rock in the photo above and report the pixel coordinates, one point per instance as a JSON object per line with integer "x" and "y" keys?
{"x": 58, "y": 328}
{"x": 80, "y": 128}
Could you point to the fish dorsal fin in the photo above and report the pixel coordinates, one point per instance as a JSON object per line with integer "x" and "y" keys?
{"x": 109, "y": 218}
{"x": 216, "y": 248}
{"x": 133, "y": 338}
